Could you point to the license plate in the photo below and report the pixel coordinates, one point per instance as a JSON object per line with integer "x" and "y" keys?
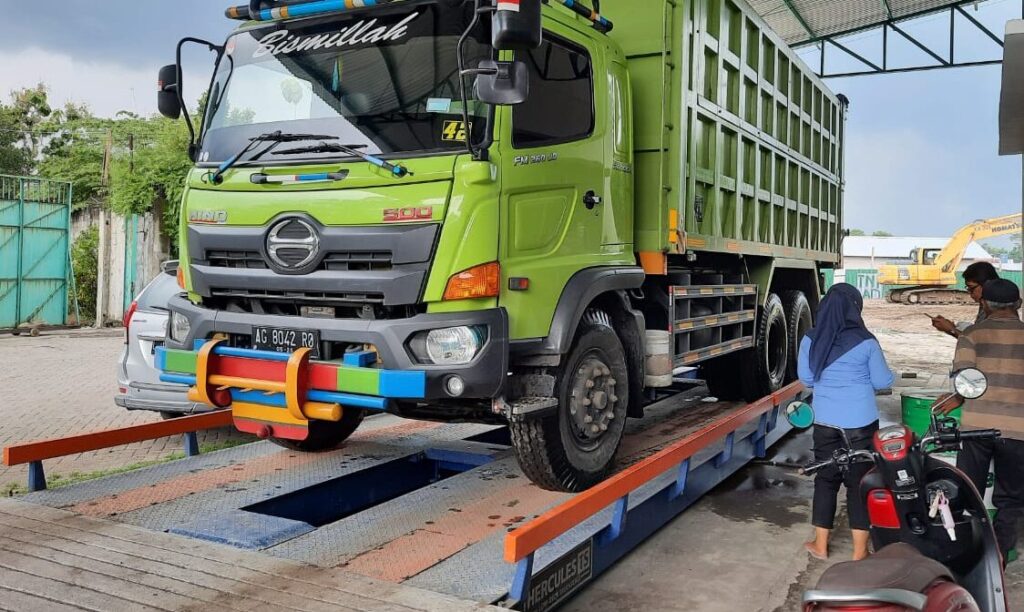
{"x": 284, "y": 340}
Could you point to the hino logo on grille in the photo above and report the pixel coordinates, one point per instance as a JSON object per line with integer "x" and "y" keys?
{"x": 292, "y": 244}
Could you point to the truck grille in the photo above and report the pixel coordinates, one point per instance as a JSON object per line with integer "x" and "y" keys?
{"x": 340, "y": 260}
{"x": 306, "y": 297}
{"x": 354, "y": 265}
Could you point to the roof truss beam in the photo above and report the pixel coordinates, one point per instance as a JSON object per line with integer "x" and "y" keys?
{"x": 873, "y": 67}
{"x": 888, "y": 9}
{"x": 800, "y": 18}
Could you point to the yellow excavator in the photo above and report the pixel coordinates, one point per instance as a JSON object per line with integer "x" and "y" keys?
{"x": 932, "y": 275}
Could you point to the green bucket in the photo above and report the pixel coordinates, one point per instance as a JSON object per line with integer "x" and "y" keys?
{"x": 917, "y": 409}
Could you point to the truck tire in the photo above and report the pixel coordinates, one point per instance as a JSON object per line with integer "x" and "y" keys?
{"x": 722, "y": 376}
{"x": 763, "y": 368}
{"x": 325, "y": 435}
{"x": 799, "y": 320}
{"x": 574, "y": 447}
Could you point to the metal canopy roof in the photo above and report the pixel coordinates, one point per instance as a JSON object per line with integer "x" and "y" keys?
{"x": 801, "y": 22}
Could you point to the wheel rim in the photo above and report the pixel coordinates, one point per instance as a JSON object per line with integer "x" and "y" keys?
{"x": 592, "y": 400}
{"x": 775, "y": 354}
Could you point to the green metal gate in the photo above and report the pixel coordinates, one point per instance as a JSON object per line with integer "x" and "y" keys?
{"x": 35, "y": 224}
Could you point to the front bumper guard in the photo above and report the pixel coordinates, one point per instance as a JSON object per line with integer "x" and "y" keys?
{"x": 278, "y": 394}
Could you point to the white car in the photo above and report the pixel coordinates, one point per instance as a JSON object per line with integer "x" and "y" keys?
{"x": 145, "y": 324}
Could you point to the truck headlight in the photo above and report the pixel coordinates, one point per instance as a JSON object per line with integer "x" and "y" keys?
{"x": 448, "y": 346}
{"x": 179, "y": 327}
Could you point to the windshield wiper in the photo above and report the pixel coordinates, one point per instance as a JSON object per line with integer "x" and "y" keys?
{"x": 349, "y": 149}
{"x": 274, "y": 138}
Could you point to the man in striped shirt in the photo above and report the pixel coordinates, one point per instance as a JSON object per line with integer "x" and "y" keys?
{"x": 996, "y": 347}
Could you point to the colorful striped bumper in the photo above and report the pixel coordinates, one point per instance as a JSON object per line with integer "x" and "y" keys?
{"x": 277, "y": 394}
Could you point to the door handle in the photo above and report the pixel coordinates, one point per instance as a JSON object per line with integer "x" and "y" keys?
{"x": 591, "y": 199}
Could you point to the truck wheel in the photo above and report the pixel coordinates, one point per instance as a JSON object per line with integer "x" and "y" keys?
{"x": 325, "y": 435}
{"x": 764, "y": 367}
{"x": 798, "y": 321}
{"x": 722, "y": 378}
{"x": 574, "y": 447}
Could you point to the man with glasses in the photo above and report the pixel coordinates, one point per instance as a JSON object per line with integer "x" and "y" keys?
{"x": 996, "y": 347}
{"x": 975, "y": 277}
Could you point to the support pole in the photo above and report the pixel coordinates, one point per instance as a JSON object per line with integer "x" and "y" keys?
{"x": 36, "y": 476}
{"x": 191, "y": 444}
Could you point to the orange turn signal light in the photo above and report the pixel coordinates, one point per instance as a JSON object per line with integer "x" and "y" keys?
{"x": 477, "y": 282}
{"x": 181, "y": 277}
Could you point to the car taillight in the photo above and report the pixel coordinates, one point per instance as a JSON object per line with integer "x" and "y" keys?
{"x": 128, "y": 319}
{"x": 882, "y": 509}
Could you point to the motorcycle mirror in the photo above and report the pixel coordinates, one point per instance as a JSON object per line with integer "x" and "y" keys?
{"x": 800, "y": 414}
{"x": 970, "y": 383}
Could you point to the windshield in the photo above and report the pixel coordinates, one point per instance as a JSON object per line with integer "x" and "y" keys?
{"x": 385, "y": 79}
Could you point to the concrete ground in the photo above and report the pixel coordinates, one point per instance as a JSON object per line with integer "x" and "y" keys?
{"x": 63, "y": 383}
{"x": 741, "y": 547}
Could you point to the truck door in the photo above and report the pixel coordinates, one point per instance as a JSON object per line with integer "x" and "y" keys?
{"x": 554, "y": 180}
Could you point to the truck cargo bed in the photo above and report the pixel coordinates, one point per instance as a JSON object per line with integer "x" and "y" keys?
{"x": 739, "y": 147}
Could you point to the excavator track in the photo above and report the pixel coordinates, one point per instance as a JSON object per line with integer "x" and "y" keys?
{"x": 930, "y": 296}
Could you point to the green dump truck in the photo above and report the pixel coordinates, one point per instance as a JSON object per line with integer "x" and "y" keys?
{"x": 513, "y": 212}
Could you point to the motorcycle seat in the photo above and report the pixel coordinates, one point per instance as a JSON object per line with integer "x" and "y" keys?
{"x": 897, "y": 566}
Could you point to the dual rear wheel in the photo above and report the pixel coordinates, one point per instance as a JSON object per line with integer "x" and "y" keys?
{"x": 751, "y": 374}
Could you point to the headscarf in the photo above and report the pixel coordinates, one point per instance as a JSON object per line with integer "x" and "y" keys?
{"x": 840, "y": 327}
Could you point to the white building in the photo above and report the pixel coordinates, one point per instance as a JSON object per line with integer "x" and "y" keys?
{"x": 863, "y": 255}
{"x": 872, "y": 252}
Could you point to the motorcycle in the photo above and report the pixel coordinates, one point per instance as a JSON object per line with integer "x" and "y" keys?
{"x": 936, "y": 549}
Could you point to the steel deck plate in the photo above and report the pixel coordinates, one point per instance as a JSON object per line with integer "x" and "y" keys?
{"x": 445, "y": 537}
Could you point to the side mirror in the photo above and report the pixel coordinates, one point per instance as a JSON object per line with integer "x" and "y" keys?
{"x": 167, "y": 99}
{"x": 504, "y": 83}
{"x": 800, "y": 414}
{"x": 516, "y": 25}
{"x": 970, "y": 383}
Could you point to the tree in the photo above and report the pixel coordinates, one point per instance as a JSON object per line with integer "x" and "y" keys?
{"x": 857, "y": 232}
{"x": 75, "y": 153}
{"x": 1013, "y": 252}
{"x": 14, "y": 159}
{"x": 32, "y": 108}
{"x": 881, "y": 234}
{"x": 21, "y": 136}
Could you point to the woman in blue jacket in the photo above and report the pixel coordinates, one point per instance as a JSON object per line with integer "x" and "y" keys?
{"x": 843, "y": 363}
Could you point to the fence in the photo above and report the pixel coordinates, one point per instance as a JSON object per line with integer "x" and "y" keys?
{"x": 866, "y": 281}
{"x": 131, "y": 250}
{"x": 35, "y": 222}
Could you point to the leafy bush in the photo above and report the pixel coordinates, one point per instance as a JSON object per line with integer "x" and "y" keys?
{"x": 85, "y": 259}
{"x": 157, "y": 171}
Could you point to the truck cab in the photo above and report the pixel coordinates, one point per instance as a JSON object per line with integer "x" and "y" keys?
{"x": 431, "y": 208}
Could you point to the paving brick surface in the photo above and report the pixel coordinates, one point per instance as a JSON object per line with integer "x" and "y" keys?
{"x": 63, "y": 383}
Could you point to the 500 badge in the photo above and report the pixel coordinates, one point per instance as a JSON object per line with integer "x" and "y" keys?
{"x": 411, "y": 213}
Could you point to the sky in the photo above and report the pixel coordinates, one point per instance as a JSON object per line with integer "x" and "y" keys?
{"x": 921, "y": 147}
